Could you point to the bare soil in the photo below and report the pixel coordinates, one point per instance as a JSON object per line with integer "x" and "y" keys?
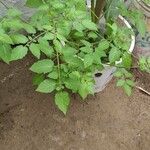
{"x": 108, "y": 121}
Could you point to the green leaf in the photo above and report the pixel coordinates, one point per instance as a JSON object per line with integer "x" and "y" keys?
{"x": 14, "y": 12}
{"x": 86, "y": 88}
{"x": 53, "y": 75}
{"x": 103, "y": 45}
{"x": 89, "y": 24}
{"x": 92, "y": 35}
{"x": 68, "y": 51}
{"x": 130, "y": 83}
{"x": 73, "y": 81}
{"x": 86, "y": 49}
{"x": 113, "y": 13}
{"x": 118, "y": 74}
{"x": 79, "y": 27}
{"x": 42, "y": 66}
{"x": 144, "y": 64}
{"x": 141, "y": 25}
{"x": 34, "y": 48}
{"x": 114, "y": 55}
{"x": 75, "y": 74}
{"x": 34, "y": 3}
{"x": 72, "y": 84}
{"x": 58, "y": 45}
{"x": 61, "y": 37}
{"x": 37, "y": 79}
{"x": 5, "y": 52}
{"x": 44, "y": 7}
{"x": 58, "y": 6}
{"x": 78, "y": 34}
{"x": 47, "y": 27}
{"x": 62, "y": 100}
{"x": 114, "y": 28}
{"x": 49, "y": 36}
{"x": 2, "y": 31}
{"x": 88, "y": 60}
{"x": 86, "y": 43}
{"x": 64, "y": 28}
{"x": 126, "y": 73}
{"x": 127, "y": 89}
{"x": 47, "y": 86}
{"x": 74, "y": 62}
{"x": 19, "y": 52}
{"x": 45, "y": 47}
{"x": 127, "y": 60}
{"x": 64, "y": 67}
{"x": 120, "y": 82}
{"x": 5, "y": 38}
{"x": 100, "y": 52}
{"x": 96, "y": 58}
{"x": 13, "y": 24}
{"x": 29, "y": 28}
{"x": 19, "y": 39}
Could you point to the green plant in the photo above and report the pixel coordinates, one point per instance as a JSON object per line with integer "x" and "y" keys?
{"x": 144, "y": 63}
{"x": 147, "y": 1}
{"x": 68, "y": 46}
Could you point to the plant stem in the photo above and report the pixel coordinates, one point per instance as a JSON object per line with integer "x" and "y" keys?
{"x": 58, "y": 66}
{"x": 143, "y": 90}
{"x": 57, "y": 56}
{"x": 36, "y": 37}
{"x": 92, "y": 11}
{"x": 99, "y": 8}
{"x": 94, "y": 16}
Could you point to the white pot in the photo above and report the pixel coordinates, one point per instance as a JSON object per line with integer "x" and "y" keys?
{"x": 103, "y": 78}
{"x": 140, "y": 4}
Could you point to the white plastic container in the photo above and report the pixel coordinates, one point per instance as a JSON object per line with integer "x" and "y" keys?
{"x": 104, "y": 77}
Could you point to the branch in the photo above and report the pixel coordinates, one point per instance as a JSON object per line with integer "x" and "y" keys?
{"x": 36, "y": 37}
{"x": 99, "y": 8}
{"x": 141, "y": 89}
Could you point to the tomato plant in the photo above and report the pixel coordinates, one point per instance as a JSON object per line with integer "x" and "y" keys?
{"x": 69, "y": 46}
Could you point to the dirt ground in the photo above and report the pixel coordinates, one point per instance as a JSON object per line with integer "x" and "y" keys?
{"x": 108, "y": 121}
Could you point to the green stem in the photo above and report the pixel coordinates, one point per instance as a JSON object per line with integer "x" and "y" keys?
{"x": 58, "y": 67}
{"x": 92, "y": 11}
{"x": 93, "y": 16}
{"x": 58, "y": 59}
{"x": 36, "y": 37}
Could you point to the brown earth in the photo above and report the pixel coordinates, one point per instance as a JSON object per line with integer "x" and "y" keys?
{"x": 108, "y": 121}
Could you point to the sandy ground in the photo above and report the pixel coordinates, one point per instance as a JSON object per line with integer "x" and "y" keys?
{"x": 108, "y": 121}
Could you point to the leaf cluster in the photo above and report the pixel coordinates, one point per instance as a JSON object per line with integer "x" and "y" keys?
{"x": 68, "y": 48}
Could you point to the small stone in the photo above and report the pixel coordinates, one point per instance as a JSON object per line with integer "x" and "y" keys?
{"x": 22, "y": 109}
{"x": 83, "y": 135}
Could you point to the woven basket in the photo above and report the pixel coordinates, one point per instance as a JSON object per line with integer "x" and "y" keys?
{"x": 140, "y": 4}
